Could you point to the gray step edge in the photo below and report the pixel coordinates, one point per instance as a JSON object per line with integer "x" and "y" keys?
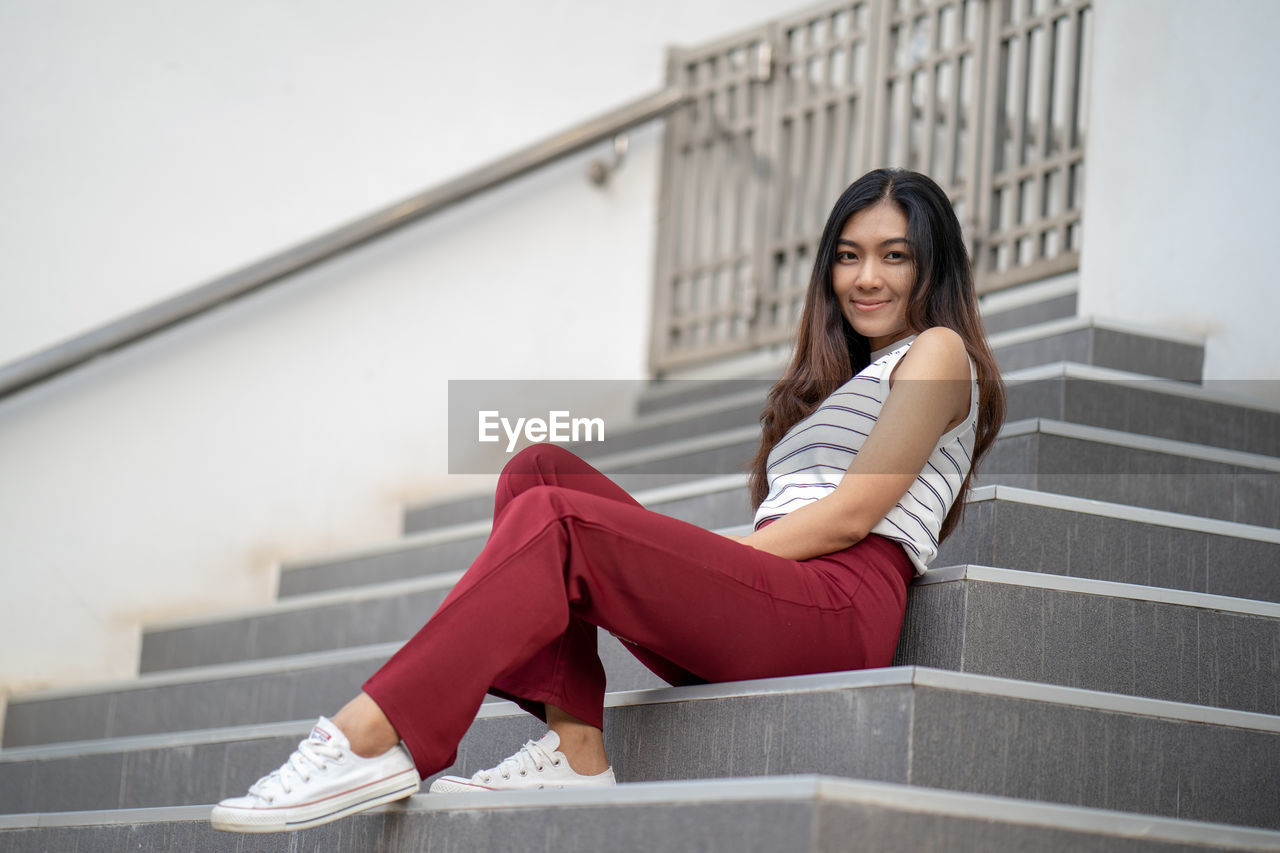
{"x": 1157, "y": 384}
{"x": 1028, "y": 579}
{"x": 1087, "y": 321}
{"x": 729, "y": 482}
{"x": 677, "y": 447}
{"x": 1137, "y": 441}
{"x": 1027, "y": 295}
{"x": 1011, "y": 429}
{"x": 809, "y": 787}
{"x": 962, "y": 682}
{"x": 1109, "y": 589}
{"x": 1124, "y": 512}
{"x": 306, "y": 600}
{"x": 1037, "y": 580}
{"x": 213, "y": 672}
{"x": 896, "y": 676}
{"x": 774, "y": 361}
{"x": 465, "y": 530}
{"x": 444, "y": 580}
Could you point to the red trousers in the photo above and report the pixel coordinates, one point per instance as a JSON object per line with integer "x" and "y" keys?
{"x": 570, "y": 551}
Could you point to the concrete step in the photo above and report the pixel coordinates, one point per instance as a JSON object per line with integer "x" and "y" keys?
{"x": 1003, "y": 526}
{"x": 711, "y": 439}
{"x": 797, "y": 814}
{"x": 1146, "y": 350}
{"x": 906, "y": 725}
{"x": 1102, "y": 343}
{"x": 1098, "y": 635}
{"x": 230, "y": 694}
{"x": 1037, "y": 531}
{"x": 1138, "y": 470}
{"x": 1041, "y": 454}
{"x": 710, "y": 502}
{"x": 1215, "y": 415}
{"x": 1168, "y": 644}
{"x": 1030, "y": 305}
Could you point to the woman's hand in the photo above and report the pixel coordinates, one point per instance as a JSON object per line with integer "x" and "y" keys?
{"x": 930, "y": 395}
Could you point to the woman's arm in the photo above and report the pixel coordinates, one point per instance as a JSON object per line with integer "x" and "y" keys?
{"x": 930, "y": 396}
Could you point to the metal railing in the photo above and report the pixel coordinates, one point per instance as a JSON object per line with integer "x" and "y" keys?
{"x": 986, "y": 96}
{"x": 186, "y": 306}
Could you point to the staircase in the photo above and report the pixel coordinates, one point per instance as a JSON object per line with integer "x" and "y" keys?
{"x": 1094, "y": 663}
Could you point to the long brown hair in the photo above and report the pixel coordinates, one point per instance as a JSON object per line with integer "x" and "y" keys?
{"x": 829, "y": 352}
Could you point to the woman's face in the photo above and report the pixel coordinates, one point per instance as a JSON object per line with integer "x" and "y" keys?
{"x": 874, "y": 273}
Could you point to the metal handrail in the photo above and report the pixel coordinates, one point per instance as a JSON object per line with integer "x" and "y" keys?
{"x": 185, "y": 306}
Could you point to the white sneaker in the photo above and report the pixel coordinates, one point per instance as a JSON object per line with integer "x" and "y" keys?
{"x": 321, "y": 782}
{"x": 537, "y": 764}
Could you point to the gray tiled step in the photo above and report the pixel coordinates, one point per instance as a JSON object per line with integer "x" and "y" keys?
{"x": 1044, "y": 532}
{"x": 1003, "y": 526}
{"x": 1063, "y": 391}
{"x": 232, "y": 694}
{"x": 1030, "y": 305}
{"x": 1098, "y": 635}
{"x": 708, "y": 502}
{"x": 804, "y": 814}
{"x": 1125, "y": 468}
{"x": 1043, "y": 454}
{"x": 1088, "y": 461}
{"x": 1181, "y": 646}
{"x": 1146, "y": 350}
{"x": 1092, "y": 396}
{"x": 912, "y": 725}
{"x": 1068, "y": 391}
{"x": 1102, "y": 343}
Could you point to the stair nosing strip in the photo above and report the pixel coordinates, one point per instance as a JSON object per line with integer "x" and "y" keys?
{"x": 158, "y": 740}
{"x": 1125, "y": 512}
{"x": 470, "y": 529}
{"x": 1107, "y": 589}
{"x": 1138, "y": 441}
{"x": 687, "y": 411}
{"x": 1053, "y": 328}
{"x": 960, "y": 681}
{"x": 897, "y": 676}
{"x": 218, "y": 671}
{"x": 307, "y": 600}
{"x": 436, "y": 536}
{"x": 1097, "y": 700}
{"x": 807, "y": 787}
{"x": 1040, "y": 292}
{"x": 1139, "y": 381}
{"x": 676, "y": 447}
{"x": 659, "y": 494}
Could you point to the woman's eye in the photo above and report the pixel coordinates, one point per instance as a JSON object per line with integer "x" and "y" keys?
{"x": 846, "y": 257}
{"x": 896, "y": 256}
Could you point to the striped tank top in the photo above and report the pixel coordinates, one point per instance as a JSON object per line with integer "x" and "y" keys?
{"x": 811, "y": 459}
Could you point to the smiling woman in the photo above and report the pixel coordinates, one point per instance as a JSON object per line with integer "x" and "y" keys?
{"x": 868, "y": 444}
{"x": 874, "y": 275}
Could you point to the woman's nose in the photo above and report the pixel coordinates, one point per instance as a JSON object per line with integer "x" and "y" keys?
{"x": 869, "y": 275}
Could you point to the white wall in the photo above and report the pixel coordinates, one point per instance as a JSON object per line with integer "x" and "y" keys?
{"x": 150, "y": 146}
{"x": 1180, "y": 214}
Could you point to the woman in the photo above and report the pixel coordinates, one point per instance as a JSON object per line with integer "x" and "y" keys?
{"x": 855, "y": 487}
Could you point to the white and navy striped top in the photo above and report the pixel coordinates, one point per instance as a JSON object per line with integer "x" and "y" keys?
{"x": 813, "y": 456}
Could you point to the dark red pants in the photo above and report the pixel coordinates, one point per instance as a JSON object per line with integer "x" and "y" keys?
{"x": 570, "y": 551}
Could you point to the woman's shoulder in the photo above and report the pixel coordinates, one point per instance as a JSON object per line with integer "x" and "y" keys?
{"x": 936, "y": 353}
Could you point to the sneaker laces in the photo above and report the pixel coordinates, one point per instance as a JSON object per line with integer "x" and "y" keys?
{"x": 296, "y": 769}
{"x": 531, "y": 756}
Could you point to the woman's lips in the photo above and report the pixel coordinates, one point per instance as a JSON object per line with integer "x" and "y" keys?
{"x": 868, "y": 306}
